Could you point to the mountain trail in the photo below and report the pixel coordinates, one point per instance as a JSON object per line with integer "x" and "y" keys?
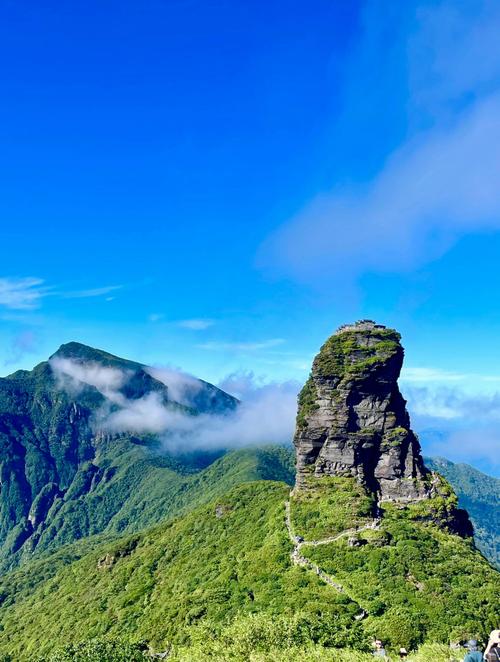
{"x": 298, "y": 558}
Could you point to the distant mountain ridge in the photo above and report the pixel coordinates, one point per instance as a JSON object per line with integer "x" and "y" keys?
{"x": 369, "y": 543}
{"x": 61, "y": 477}
{"x": 479, "y": 494}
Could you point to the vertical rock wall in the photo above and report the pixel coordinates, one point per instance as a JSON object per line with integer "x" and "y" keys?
{"x": 352, "y": 418}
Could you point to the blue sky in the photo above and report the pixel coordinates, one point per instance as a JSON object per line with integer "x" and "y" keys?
{"x": 218, "y": 185}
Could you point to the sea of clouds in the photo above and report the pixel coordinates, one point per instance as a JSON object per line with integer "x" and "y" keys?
{"x": 266, "y": 413}
{"x": 451, "y": 423}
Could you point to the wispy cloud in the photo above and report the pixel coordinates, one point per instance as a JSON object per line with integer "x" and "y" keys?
{"x": 453, "y": 403}
{"x": 440, "y": 184}
{"x": 22, "y": 293}
{"x": 22, "y": 344}
{"x": 74, "y": 375}
{"x": 93, "y": 292}
{"x": 196, "y": 324}
{"x": 476, "y": 445}
{"x": 265, "y": 415}
{"x": 27, "y": 293}
{"x": 456, "y": 424}
{"x": 427, "y": 195}
{"x": 429, "y": 375}
{"x": 425, "y": 375}
{"x": 182, "y": 387}
{"x": 242, "y": 346}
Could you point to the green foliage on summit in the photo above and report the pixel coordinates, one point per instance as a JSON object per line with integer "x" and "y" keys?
{"x": 306, "y": 402}
{"x": 351, "y": 353}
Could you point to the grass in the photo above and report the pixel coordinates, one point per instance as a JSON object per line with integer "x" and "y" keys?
{"x": 330, "y": 505}
{"x": 219, "y": 581}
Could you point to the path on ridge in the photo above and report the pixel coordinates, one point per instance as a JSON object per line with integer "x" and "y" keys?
{"x": 298, "y": 558}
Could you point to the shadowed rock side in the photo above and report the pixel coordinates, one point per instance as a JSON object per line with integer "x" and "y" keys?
{"x": 352, "y": 418}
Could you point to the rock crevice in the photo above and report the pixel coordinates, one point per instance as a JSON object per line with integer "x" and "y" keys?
{"x": 352, "y": 418}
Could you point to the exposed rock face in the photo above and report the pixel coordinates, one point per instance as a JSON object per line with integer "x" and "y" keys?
{"x": 352, "y": 418}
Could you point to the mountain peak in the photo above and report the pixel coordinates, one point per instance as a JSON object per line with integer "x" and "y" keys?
{"x": 352, "y": 418}
{"x": 79, "y": 352}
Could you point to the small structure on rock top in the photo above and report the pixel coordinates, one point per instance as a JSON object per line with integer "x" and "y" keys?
{"x": 352, "y": 418}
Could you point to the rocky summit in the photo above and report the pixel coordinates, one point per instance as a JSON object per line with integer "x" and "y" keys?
{"x": 352, "y": 419}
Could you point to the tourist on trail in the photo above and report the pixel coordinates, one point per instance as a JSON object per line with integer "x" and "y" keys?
{"x": 473, "y": 654}
{"x": 379, "y": 649}
{"x": 403, "y": 653}
{"x": 492, "y": 652}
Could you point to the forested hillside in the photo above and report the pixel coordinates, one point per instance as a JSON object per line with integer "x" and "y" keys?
{"x": 479, "y": 494}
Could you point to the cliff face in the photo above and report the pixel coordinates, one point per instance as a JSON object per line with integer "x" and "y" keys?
{"x": 352, "y": 418}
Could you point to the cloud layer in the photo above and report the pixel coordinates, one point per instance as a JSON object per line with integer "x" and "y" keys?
{"x": 440, "y": 184}
{"x": 451, "y": 422}
{"x": 456, "y": 424}
{"x": 73, "y": 375}
{"x": 21, "y": 293}
{"x": 427, "y": 195}
{"x": 266, "y": 414}
{"x": 27, "y": 293}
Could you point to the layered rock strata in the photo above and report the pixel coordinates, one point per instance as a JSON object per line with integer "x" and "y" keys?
{"x": 352, "y": 418}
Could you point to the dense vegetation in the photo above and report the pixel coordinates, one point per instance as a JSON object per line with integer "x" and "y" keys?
{"x": 306, "y": 402}
{"x": 195, "y": 582}
{"x": 331, "y": 506}
{"x": 414, "y": 580}
{"x": 350, "y": 354}
{"x": 479, "y": 494}
{"x": 218, "y": 581}
{"x": 216, "y": 563}
{"x": 248, "y": 639}
{"x": 64, "y": 479}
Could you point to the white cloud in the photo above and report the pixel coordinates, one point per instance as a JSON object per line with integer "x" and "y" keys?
{"x": 21, "y": 293}
{"x": 155, "y": 317}
{"x": 27, "y": 293}
{"x": 425, "y": 375}
{"x": 266, "y": 414}
{"x": 452, "y": 403}
{"x": 456, "y": 424}
{"x": 441, "y": 183}
{"x": 439, "y": 186}
{"x": 143, "y": 415}
{"x": 478, "y": 446}
{"x": 242, "y": 346}
{"x": 437, "y": 376}
{"x": 181, "y": 386}
{"x": 74, "y": 376}
{"x": 454, "y": 53}
{"x": 196, "y": 324}
{"x": 95, "y": 292}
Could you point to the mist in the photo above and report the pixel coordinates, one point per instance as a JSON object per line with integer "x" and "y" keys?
{"x": 266, "y": 413}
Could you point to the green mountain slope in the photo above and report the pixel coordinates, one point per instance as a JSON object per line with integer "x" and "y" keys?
{"x": 407, "y": 581}
{"x": 479, "y": 494}
{"x": 145, "y": 490}
{"x": 62, "y": 476}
